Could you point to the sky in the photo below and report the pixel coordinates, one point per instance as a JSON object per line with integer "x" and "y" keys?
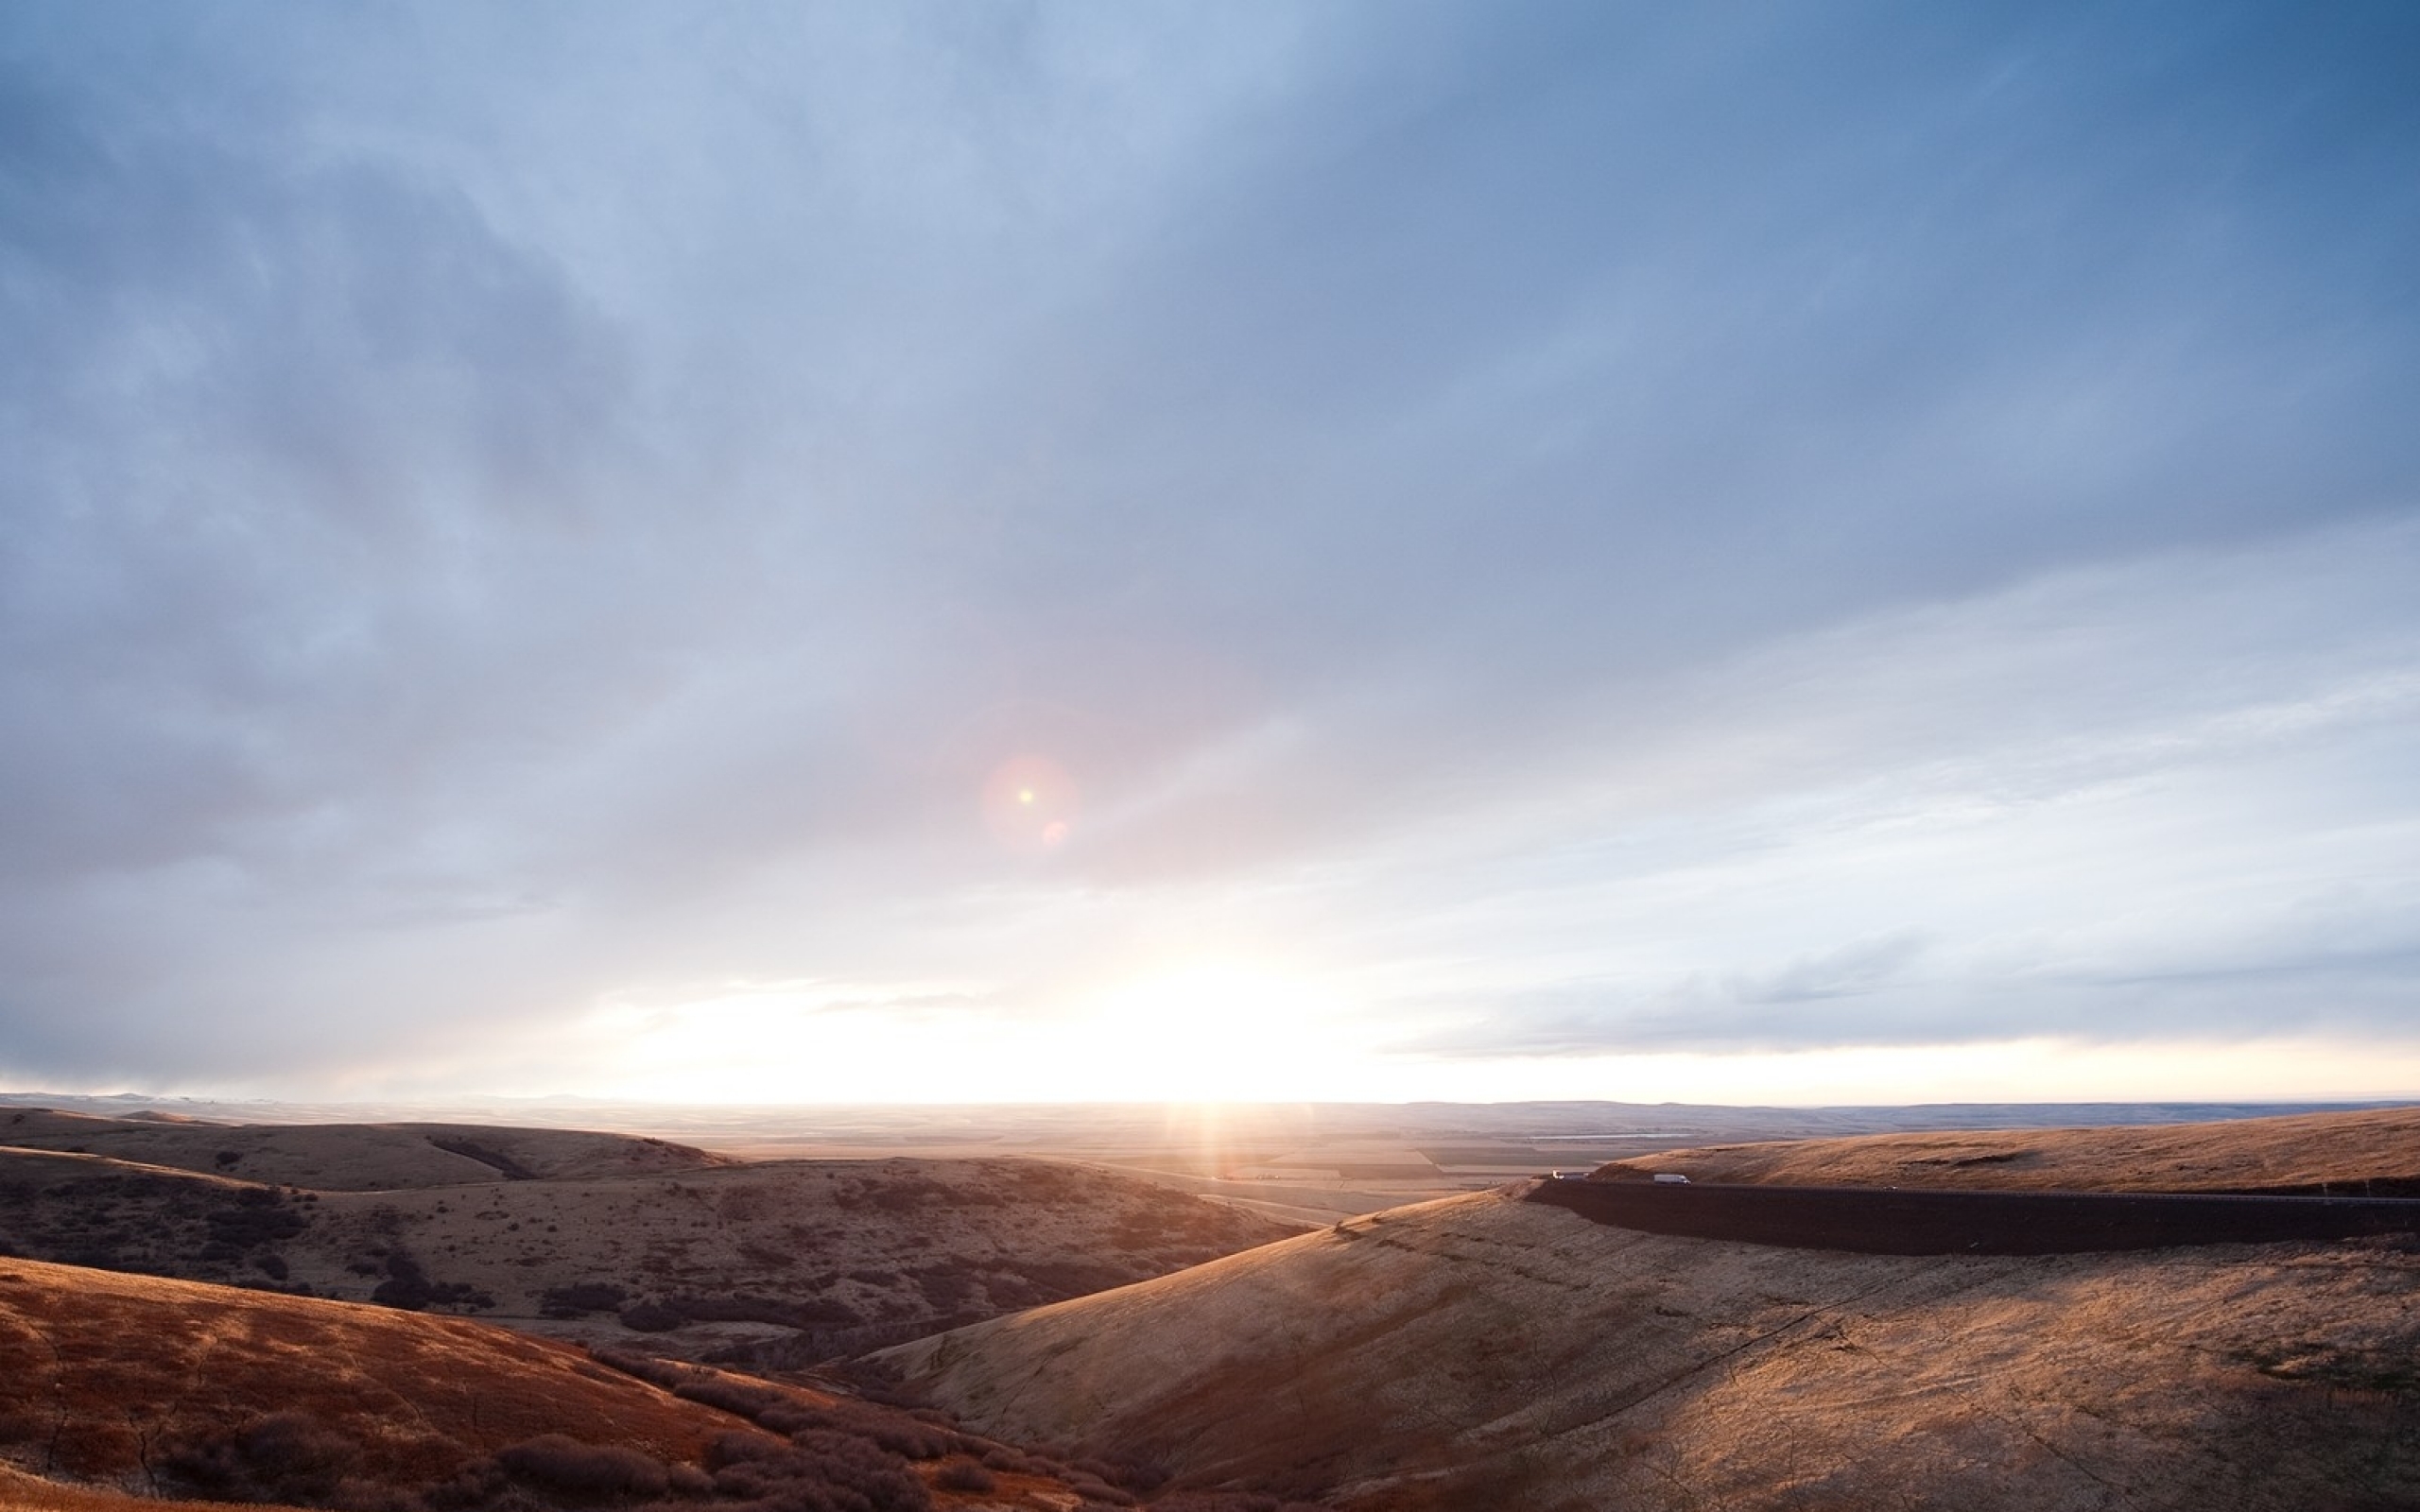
{"x": 765, "y": 553}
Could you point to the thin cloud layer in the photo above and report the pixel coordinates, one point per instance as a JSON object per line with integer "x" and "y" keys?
{"x": 1570, "y": 530}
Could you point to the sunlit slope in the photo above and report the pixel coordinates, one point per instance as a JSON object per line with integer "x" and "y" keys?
{"x": 1485, "y": 1351}
{"x": 96, "y": 1370}
{"x": 117, "y": 1389}
{"x": 2376, "y": 1150}
{"x": 354, "y": 1157}
{"x": 22, "y": 1492}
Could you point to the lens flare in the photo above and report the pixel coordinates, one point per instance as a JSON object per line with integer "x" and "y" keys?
{"x": 1030, "y": 804}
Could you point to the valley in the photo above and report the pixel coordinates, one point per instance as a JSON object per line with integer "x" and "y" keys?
{"x": 1082, "y": 1337}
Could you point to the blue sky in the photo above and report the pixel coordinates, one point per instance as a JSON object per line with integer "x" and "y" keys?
{"x": 1746, "y": 552}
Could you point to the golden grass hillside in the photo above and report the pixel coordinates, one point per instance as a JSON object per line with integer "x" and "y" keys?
{"x": 1490, "y": 1352}
{"x": 21, "y": 1492}
{"x": 117, "y": 1389}
{"x": 2377, "y": 1151}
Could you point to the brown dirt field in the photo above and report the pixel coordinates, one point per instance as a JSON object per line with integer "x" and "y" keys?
{"x": 2375, "y": 1150}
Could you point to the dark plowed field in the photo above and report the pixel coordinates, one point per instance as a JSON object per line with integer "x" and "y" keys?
{"x": 1948, "y": 1222}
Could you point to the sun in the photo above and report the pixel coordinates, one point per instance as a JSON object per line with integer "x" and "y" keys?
{"x": 1209, "y": 1032}
{"x": 1030, "y": 803}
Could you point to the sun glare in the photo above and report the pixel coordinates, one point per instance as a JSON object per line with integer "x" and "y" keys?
{"x": 1209, "y": 1033}
{"x": 1031, "y": 804}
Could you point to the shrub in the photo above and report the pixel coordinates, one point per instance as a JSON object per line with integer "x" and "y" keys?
{"x": 1132, "y": 1477}
{"x": 744, "y": 1397}
{"x": 650, "y": 1317}
{"x": 746, "y": 1308}
{"x": 257, "y": 1218}
{"x": 584, "y": 1473}
{"x": 286, "y": 1456}
{"x": 965, "y": 1475}
{"x": 648, "y": 1367}
{"x": 738, "y": 1448}
{"x": 408, "y": 1288}
{"x": 819, "y": 1471}
{"x": 901, "y": 1436}
{"x": 585, "y": 1297}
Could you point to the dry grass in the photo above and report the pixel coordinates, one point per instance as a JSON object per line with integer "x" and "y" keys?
{"x": 352, "y": 1156}
{"x": 98, "y": 1372}
{"x": 2301, "y": 1150}
{"x": 1484, "y": 1351}
{"x": 21, "y": 1492}
{"x": 780, "y": 1263}
{"x": 103, "y": 1376}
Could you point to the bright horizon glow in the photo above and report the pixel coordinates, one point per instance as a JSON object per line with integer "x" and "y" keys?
{"x": 1221, "y": 1032}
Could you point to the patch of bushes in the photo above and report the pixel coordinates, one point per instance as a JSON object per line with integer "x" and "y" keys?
{"x": 286, "y": 1456}
{"x": 893, "y": 1432}
{"x": 259, "y": 1217}
{"x": 648, "y": 1367}
{"x": 733, "y": 1395}
{"x": 743, "y": 1308}
{"x": 817, "y": 1471}
{"x": 908, "y": 1192}
{"x": 844, "y": 1457}
{"x": 650, "y": 1317}
{"x": 581, "y": 1299}
{"x": 584, "y": 1474}
{"x": 408, "y": 1288}
{"x": 1123, "y": 1474}
{"x": 965, "y": 1475}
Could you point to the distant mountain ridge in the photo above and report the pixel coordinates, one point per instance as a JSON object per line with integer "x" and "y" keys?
{"x": 1048, "y": 1123}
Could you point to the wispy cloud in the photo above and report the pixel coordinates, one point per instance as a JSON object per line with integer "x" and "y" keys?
{"x": 1570, "y": 526}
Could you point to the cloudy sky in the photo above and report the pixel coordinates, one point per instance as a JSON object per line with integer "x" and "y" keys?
{"x": 1742, "y": 551}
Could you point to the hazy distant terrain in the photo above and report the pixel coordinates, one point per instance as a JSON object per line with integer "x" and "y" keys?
{"x": 1296, "y": 1163}
{"x": 1482, "y": 1350}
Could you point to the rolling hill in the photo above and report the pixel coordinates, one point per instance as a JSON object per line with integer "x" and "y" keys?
{"x": 2374, "y": 1151}
{"x": 116, "y": 1390}
{"x": 354, "y": 1156}
{"x": 777, "y": 1263}
{"x": 1490, "y": 1351}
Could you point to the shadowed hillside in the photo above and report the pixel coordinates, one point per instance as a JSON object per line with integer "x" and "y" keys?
{"x": 774, "y": 1264}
